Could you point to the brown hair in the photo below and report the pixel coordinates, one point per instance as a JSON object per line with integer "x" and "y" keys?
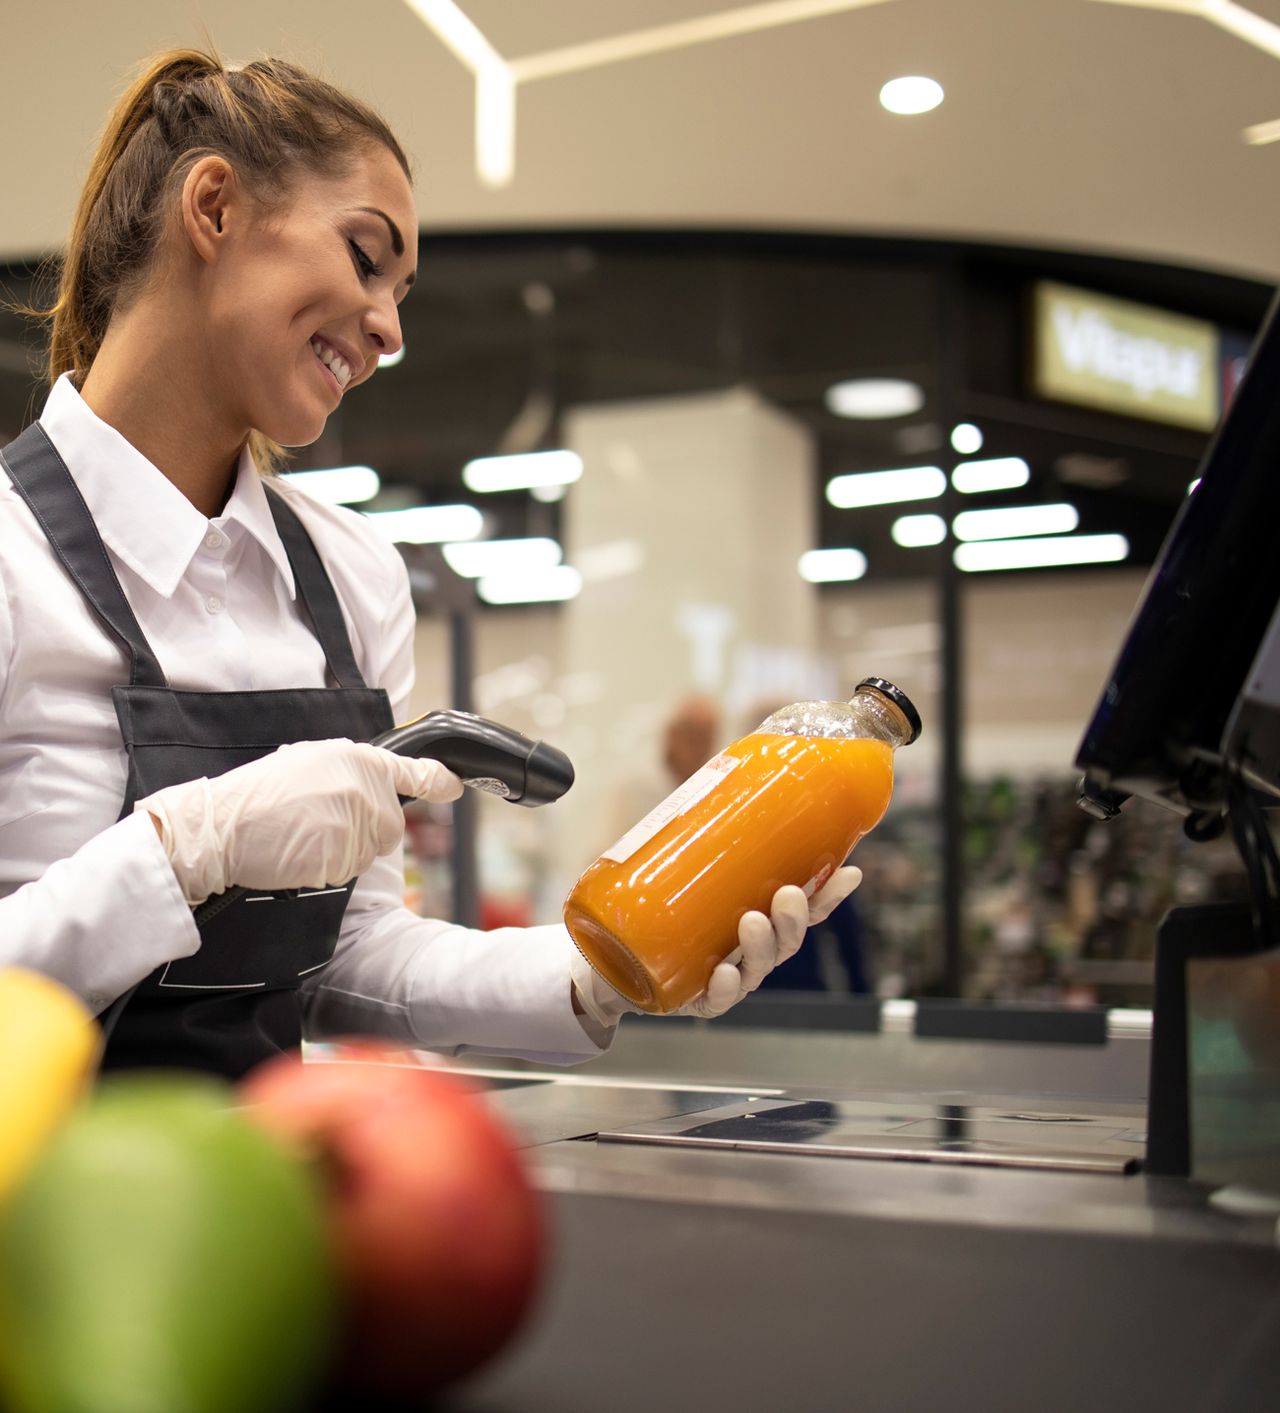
{"x": 270, "y": 119}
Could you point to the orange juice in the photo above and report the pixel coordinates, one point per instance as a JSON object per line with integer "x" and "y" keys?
{"x": 658, "y": 911}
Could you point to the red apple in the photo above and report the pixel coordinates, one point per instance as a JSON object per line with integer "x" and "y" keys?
{"x": 438, "y": 1232}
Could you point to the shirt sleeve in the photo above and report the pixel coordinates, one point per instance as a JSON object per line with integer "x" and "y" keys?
{"x": 426, "y": 982}
{"x": 103, "y": 918}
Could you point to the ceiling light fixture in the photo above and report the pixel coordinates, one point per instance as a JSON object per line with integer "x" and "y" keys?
{"x": 911, "y": 94}
{"x": 873, "y": 398}
{"x": 831, "y": 566}
{"x": 998, "y": 473}
{"x": 522, "y": 472}
{"x": 1014, "y": 521}
{"x": 916, "y": 531}
{"x": 982, "y": 555}
{"x": 861, "y": 488}
{"x": 428, "y": 524}
{"x": 966, "y": 438}
{"x": 477, "y": 558}
{"x": 497, "y": 78}
{"x": 337, "y": 485}
{"x": 552, "y": 585}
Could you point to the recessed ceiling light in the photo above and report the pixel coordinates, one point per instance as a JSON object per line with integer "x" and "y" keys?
{"x": 831, "y": 566}
{"x": 966, "y": 438}
{"x": 859, "y": 488}
{"x": 916, "y": 531}
{"x": 984, "y": 555}
{"x": 913, "y": 94}
{"x": 870, "y": 398}
{"x": 999, "y": 473}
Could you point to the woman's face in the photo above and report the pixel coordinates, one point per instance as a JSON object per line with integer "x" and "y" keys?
{"x": 302, "y": 302}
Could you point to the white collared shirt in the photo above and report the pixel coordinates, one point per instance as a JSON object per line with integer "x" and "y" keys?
{"x": 93, "y": 901}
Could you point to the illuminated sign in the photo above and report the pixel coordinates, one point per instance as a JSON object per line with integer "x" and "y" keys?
{"x": 1125, "y": 358}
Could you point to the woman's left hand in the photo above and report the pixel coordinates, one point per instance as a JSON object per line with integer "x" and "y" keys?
{"x": 767, "y": 942}
{"x": 764, "y": 942}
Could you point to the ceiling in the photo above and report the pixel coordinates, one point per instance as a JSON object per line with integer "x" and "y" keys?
{"x": 1105, "y": 125}
{"x": 738, "y": 212}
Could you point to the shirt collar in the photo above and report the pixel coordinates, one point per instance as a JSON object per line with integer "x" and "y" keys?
{"x": 139, "y": 513}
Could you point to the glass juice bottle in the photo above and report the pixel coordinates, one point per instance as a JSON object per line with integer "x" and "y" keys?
{"x": 657, "y": 912}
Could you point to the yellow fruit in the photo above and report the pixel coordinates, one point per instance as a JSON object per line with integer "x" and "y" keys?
{"x": 49, "y": 1046}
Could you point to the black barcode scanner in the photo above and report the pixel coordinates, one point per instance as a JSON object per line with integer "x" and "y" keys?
{"x": 485, "y": 756}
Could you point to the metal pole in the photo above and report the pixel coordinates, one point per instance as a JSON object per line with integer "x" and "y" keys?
{"x": 466, "y": 884}
{"x": 951, "y": 620}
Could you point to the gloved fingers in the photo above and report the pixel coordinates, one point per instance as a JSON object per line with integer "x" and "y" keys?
{"x": 423, "y": 779}
{"x": 724, "y": 990}
{"x": 789, "y": 912}
{"x": 833, "y": 892}
{"x": 758, "y": 943}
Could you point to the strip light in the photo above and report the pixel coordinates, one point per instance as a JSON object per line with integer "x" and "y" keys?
{"x": 338, "y": 485}
{"x": 520, "y": 473}
{"x": 479, "y": 558}
{"x": 997, "y": 473}
{"x": 551, "y": 585}
{"x": 428, "y": 524}
{"x": 496, "y": 78}
{"x": 916, "y": 531}
{"x": 830, "y": 566}
{"x": 1014, "y": 521}
{"x": 860, "y": 488}
{"x": 982, "y": 555}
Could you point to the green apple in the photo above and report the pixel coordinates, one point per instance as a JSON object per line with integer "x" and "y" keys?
{"x": 164, "y": 1256}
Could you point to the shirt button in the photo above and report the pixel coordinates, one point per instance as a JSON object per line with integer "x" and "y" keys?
{"x": 213, "y": 603}
{"x": 213, "y": 540}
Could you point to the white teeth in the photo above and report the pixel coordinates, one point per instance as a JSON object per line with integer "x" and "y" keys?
{"x": 335, "y": 363}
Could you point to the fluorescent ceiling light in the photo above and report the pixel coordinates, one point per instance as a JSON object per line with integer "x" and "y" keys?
{"x": 501, "y": 557}
{"x": 1261, "y": 133}
{"x": 339, "y": 485}
{"x": 885, "y": 487}
{"x": 966, "y": 438}
{"x": 1013, "y": 521}
{"x": 983, "y": 555}
{"x": 915, "y": 531}
{"x": 829, "y": 566}
{"x": 999, "y": 473}
{"x": 428, "y": 524}
{"x": 1194, "y": 484}
{"x": 519, "y": 473}
{"x": 389, "y": 360}
{"x": 545, "y": 586}
{"x": 870, "y": 398}
{"x": 914, "y": 94}
{"x": 548, "y": 495}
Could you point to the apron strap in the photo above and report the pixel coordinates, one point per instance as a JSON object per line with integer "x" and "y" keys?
{"x": 41, "y": 478}
{"x": 317, "y": 592}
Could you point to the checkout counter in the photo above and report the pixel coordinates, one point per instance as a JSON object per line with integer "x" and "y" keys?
{"x": 733, "y": 1277}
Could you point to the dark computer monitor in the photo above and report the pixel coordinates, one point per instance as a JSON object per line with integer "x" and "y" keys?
{"x": 1191, "y": 695}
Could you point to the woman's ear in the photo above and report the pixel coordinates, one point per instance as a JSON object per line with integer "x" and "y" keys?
{"x": 208, "y": 193}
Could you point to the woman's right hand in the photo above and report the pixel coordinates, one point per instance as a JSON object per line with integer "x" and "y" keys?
{"x": 309, "y": 815}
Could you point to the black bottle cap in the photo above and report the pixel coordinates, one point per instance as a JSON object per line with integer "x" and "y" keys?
{"x": 900, "y": 699}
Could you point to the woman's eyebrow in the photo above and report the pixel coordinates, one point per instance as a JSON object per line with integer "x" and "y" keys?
{"x": 397, "y": 240}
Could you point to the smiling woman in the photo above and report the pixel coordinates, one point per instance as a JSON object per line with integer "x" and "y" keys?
{"x": 193, "y": 655}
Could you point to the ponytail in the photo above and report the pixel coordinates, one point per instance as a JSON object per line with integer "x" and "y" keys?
{"x": 270, "y": 119}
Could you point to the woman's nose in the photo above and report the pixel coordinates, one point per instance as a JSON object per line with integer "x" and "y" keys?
{"x": 382, "y": 326}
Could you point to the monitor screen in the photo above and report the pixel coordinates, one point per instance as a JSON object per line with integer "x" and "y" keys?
{"x": 1203, "y": 619}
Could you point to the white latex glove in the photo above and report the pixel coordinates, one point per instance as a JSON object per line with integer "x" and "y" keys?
{"x": 309, "y": 815}
{"x": 763, "y": 943}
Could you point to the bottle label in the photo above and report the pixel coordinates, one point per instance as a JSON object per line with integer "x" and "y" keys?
{"x": 699, "y": 784}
